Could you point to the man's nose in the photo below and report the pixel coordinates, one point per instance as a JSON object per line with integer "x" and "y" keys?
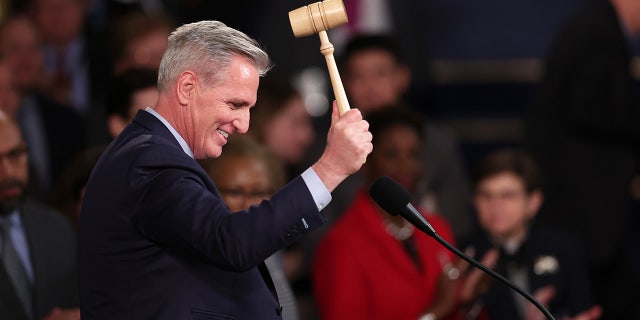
{"x": 241, "y": 123}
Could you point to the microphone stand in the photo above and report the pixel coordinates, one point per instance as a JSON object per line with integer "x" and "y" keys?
{"x": 394, "y": 199}
{"x": 431, "y": 232}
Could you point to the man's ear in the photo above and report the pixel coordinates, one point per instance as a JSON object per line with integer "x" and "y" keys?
{"x": 186, "y": 86}
{"x": 534, "y": 202}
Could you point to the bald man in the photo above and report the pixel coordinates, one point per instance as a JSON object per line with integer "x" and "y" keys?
{"x": 37, "y": 273}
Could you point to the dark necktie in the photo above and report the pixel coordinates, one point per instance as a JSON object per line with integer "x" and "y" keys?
{"x": 15, "y": 268}
{"x": 517, "y": 273}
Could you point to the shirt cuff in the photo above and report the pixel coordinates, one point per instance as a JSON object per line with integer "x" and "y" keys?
{"x": 319, "y": 192}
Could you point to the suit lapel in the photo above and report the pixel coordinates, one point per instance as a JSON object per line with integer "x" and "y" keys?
{"x": 153, "y": 124}
{"x": 150, "y": 122}
{"x": 10, "y": 305}
{"x": 37, "y": 250}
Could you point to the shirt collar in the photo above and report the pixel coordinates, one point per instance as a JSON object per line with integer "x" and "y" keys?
{"x": 181, "y": 141}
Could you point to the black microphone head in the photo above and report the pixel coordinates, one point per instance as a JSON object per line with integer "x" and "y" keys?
{"x": 390, "y": 195}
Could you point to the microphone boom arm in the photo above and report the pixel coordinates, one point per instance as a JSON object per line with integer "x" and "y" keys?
{"x": 482, "y": 267}
{"x": 394, "y": 199}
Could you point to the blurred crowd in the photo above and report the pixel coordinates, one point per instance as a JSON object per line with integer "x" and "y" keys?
{"x": 556, "y": 211}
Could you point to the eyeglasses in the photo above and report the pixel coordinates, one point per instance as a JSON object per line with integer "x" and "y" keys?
{"x": 14, "y": 155}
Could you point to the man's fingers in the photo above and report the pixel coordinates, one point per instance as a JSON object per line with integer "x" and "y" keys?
{"x": 335, "y": 114}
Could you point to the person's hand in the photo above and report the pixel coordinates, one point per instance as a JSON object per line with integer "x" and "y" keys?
{"x": 63, "y": 314}
{"x": 445, "y": 301}
{"x": 592, "y": 313}
{"x": 544, "y": 296}
{"x": 459, "y": 287}
{"x": 476, "y": 282}
{"x": 348, "y": 145}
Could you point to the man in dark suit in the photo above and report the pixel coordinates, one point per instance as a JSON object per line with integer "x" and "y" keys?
{"x": 156, "y": 241}
{"x": 37, "y": 273}
{"x": 583, "y": 131}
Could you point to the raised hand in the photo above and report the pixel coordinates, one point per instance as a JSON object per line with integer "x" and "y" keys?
{"x": 348, "y": 145}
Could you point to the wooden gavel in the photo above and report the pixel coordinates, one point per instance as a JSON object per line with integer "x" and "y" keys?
{"x": 317, "y": 18}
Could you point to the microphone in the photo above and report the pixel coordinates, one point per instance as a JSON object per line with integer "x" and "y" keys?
{"x": 394, "y": 199}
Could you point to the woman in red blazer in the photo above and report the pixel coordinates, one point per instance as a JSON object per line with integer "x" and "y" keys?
{"x": 371, "y": 265}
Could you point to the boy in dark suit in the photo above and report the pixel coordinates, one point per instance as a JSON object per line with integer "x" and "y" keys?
{"x": 507, "y": 193}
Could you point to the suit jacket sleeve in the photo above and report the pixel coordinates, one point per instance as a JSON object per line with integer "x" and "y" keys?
{"x": 179, "y": 207}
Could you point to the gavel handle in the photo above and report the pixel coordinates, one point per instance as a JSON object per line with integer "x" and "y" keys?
{"x": 326, "y": 48}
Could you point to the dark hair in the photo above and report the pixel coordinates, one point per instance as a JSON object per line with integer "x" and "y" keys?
{"x": 515, "y": 161}
{"x": 67, "y": 191}
{"x": 132, "y": 26}
{"x": 124, "y": 86}
{"x": 366, "y": 42}
{"x": 383, "y": 118}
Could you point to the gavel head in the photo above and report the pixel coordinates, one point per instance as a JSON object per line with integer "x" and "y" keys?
{"x": 316, "y": 17}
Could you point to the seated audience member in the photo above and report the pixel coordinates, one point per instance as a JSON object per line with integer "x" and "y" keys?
{"x": 53, "y": 132}
{"x": 67, "y": 194}
{"x": 38, "y": 265}
{"x": 376, "y": 76}
{"x": 129, "y": 92}
{"x": 549, "y": 263}
{"x": 134, "y": 89}
{"x": 372, "y": 265}
{"x": 247, "y": 173}
{"x": 74, "y": 54}
{"x": 281, "y": 122}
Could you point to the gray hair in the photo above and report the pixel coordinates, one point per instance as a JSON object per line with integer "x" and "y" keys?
{"x": 206, "y": 47}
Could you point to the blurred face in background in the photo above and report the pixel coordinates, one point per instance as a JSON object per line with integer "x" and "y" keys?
{"x": 59, "y": 21}
{"x": 20, "y": 47}
{"x": 374, "y": 79}
{"x": 144, "y": 52}
{"x": 504, "y": 206}
{"x": 141, "y": 99}
{"x": 397, "y": 153}
{"x": 242, "y": 181}
{"x": 14, "y": 172}
{"x": 289, "y": 133}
